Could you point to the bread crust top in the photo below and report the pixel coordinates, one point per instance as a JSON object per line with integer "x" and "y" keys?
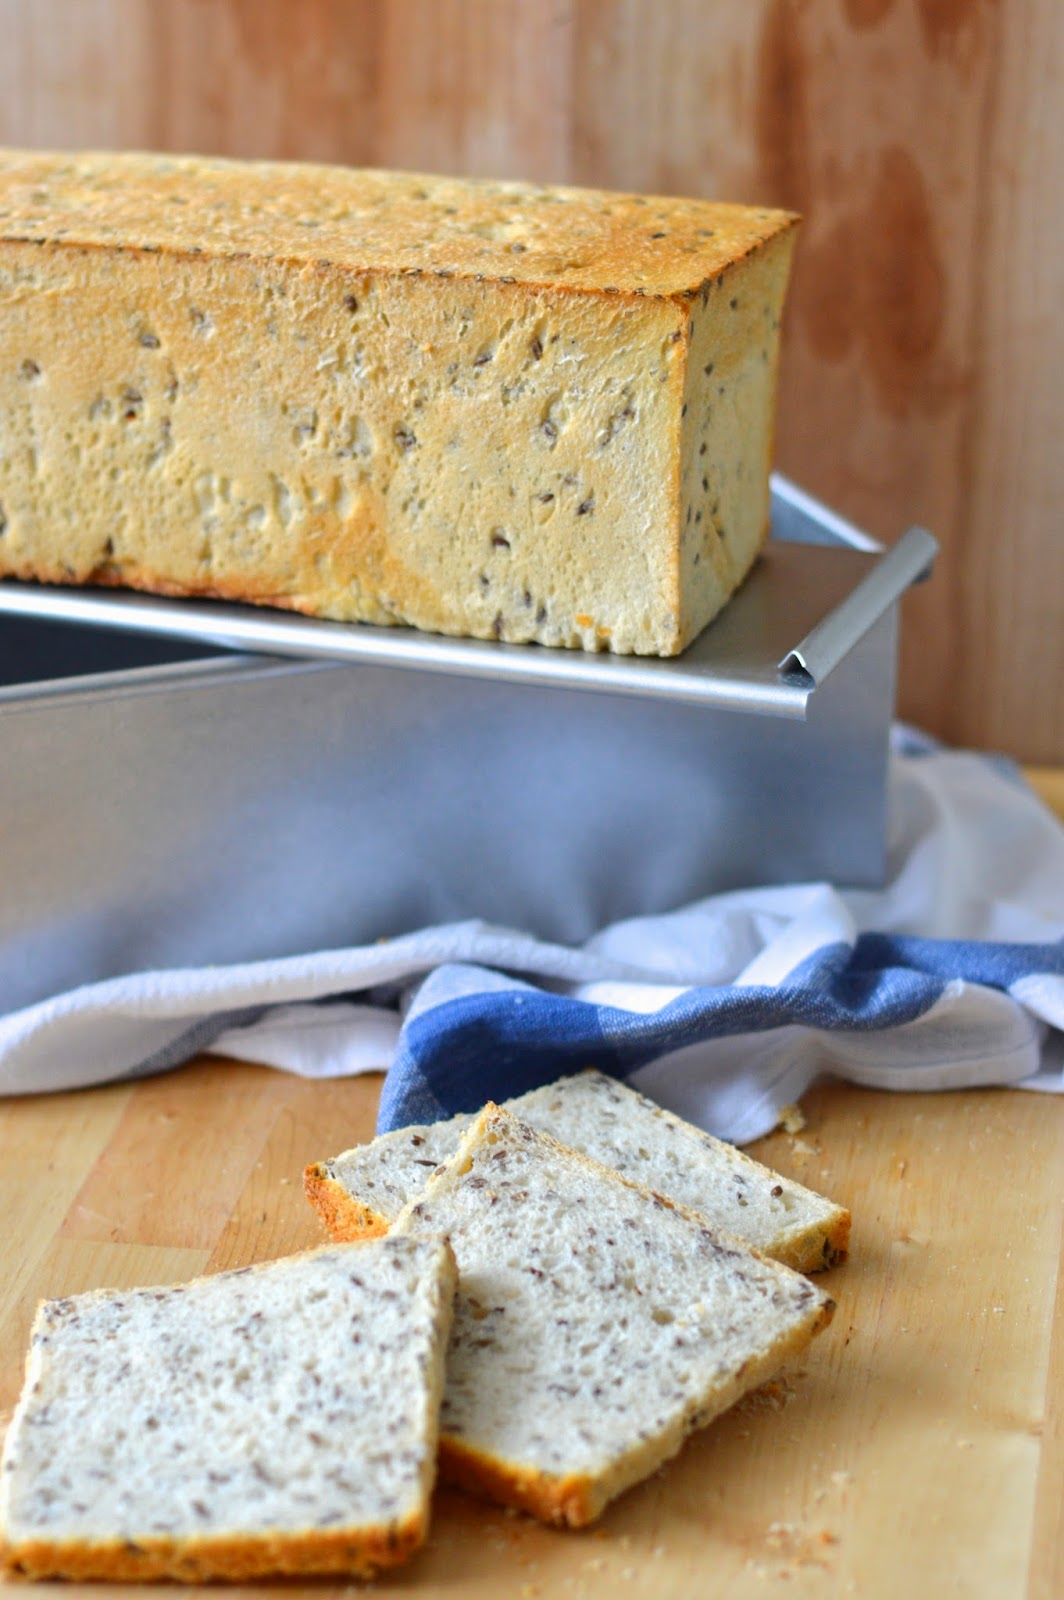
{"x": 370, "y": 221}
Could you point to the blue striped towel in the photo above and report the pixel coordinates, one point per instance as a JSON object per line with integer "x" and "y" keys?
{"x": 952, "y": 976}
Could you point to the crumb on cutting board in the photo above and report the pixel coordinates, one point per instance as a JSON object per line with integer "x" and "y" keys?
{"x": 791, "y": 1119}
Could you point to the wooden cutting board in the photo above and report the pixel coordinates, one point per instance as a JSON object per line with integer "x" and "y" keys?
{"x": 917, "y": 1450}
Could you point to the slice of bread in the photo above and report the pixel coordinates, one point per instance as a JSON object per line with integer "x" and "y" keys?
{"x": 363, "y": 1190}
{"x": 595, "y": 1325}
{"x": 276, "y": 1419}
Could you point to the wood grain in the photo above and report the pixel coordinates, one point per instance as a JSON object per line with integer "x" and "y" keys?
{"x": 923, "y": 140}
{"x": 916, "y": 1448}
{"x": 43, "y": 1157}
{"x": 172, "y": 1171}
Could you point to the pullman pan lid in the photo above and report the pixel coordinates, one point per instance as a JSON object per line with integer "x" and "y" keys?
{"x": 800, "y": 612}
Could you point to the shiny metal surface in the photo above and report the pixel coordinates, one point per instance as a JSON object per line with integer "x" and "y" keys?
{"x": 819, "y": 601}
{"x": 231, "y": 808}
{"x": 796, "y": 514}
{"x": 820, "y": 652}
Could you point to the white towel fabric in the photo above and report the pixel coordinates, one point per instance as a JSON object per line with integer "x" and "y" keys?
{"x": 950, "y": 976}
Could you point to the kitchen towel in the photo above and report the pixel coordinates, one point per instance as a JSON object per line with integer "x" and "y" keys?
{"x": 951, "y": 976}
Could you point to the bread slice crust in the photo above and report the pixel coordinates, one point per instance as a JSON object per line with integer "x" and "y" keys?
{"x": 345, "y": 1216}
{"x": 577, "y": 1498}
{"x": 350, "y": 1212}
{"x": 209, "y": 1559}
{"x": 361, "y": 1549}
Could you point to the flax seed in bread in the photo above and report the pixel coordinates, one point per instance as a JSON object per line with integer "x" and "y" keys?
{"x": 596, "y": 1325}
{"x": 363, "y": 1190}
{"x": 275, "y": 1419}
{"x": 479, "y": 408}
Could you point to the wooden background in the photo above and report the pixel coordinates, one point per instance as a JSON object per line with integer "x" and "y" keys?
{"x": 922, "y": 139}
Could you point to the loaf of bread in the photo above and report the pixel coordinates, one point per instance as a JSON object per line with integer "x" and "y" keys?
{"x": 276, "y": 1419}
{"x": 363, "y": 1190}
{"x": 595, "y": 1325}
{"x": 479, "y": 408}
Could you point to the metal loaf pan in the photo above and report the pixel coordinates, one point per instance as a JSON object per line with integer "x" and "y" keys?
{"x": 163, "y": 804}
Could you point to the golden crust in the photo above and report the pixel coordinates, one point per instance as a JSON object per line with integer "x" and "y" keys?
{"x": 595, "y": 241}
{"x": 566, "y": 1501}
{"x": 229, "y": 374}
{"x": 345, "y": 1217}
{"x": 821, "y": 1246}
{"x": 358, "y": 1552}
{"x": 836, "y": 1247}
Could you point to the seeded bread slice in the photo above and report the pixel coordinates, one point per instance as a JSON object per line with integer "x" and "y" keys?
{"x": 596, "y": 1324}
{"x": 363, "y": 1190}
{"x": 277, "y": 1419}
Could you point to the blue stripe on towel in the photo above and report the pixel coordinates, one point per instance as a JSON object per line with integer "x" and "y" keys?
{"x": 455, "y": 1055}
{"x": 998, "y": 966}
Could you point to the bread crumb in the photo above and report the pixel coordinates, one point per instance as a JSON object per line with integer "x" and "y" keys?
{"x": 772, "y": 1396}
{"x": 798, "y": 1547}
{"x": 791, "y": 1119}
